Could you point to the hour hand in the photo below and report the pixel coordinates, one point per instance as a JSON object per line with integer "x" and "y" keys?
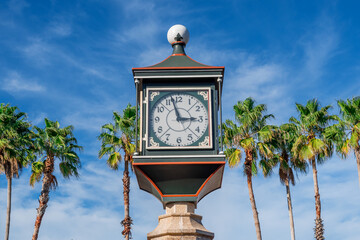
{"x": 188, "y": 119}
{"x": 178, "y": 117}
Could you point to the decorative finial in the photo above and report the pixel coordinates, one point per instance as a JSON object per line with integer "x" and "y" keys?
{"x": 178, "y": 33}
{"x": 178, "y": 37}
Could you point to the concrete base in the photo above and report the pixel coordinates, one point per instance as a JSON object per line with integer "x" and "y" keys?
{"x": 180, "y": 223}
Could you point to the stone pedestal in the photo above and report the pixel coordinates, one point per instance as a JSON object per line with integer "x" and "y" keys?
{"x": 180, "y": 223}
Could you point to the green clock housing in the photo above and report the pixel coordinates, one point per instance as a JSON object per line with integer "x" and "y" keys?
{"x": 179, "y": 154}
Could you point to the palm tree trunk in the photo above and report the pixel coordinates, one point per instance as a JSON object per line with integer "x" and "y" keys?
{"x": 252, "y": 200}
{"x": 357, "y": 155}
{"x": 319, "y": 227}
{"x": 288, "y": 195}
{"x": 316, "y": 190}
{"x": 8, "y": 212}
{"x": 126, "y": 182}
{"x": 44, "y": 195}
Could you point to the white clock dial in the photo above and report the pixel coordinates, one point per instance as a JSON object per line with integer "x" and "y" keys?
{"x": 179, "y": 119}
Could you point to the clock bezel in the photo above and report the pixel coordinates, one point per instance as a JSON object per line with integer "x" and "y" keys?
{"x": 184, "y": 90}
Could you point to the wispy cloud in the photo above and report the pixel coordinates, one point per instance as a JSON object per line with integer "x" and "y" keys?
{"x": 15, "y": 83}
{"x": 60, "y": 29}
{"x": 319, "y": 46}
{"x": 16, "y": 6}
{"x": 142, "y": 33}
{"x": 266, "y": 82}
{"x": 231, "y": 206}
{"x": 92, "y": 208}
{"x": 88, "y": 208}
{"x": 38, "y": 118}
{"x": 43, "y": 53}
{"x": 38, "y": 51}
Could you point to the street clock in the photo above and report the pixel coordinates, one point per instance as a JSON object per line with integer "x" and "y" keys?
{"x": 179, "y": 153}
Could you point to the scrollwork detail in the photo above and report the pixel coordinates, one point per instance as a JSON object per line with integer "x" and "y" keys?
{"x": 153, "y": 143}
{"x": 206, "y": 142}
{"x": 154, "y": 94}
{"x": 204, "y": 94}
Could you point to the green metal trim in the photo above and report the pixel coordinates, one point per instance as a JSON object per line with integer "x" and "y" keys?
{"x": 154, "y": 159}
{"x": 178, "y": 61}
{"x": 204, "y": 73}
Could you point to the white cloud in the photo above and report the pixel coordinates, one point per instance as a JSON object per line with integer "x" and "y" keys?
{"x": 266, "y": 82}
{"x": 153, "y": 56}
{"x": 43, "y": 53}
{"x": 86, "y": 121}
{"x": 91, "y": 115}
{"x": 319, "y": 46}
{"x": 38, "y": 52}
{"x": 142, "y": 33}
{"x": 37, "y": 118}
{"x": 88, "y": 208}
{"x": 231, "y": 213}
{"x": 15, "y": 83}
{"x": 60, "y": 29}
{"x": 92, "y": 207}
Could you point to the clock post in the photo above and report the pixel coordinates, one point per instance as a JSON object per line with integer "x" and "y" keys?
{"x": 179, "y": 156}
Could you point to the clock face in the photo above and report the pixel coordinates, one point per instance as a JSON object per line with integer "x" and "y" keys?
{"x": 179, "y": 119}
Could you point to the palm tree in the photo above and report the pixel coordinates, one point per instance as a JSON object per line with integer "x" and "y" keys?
{"x": 53, "y": 143}
{"x": 251, "y": 136}
{"x": 311, "y": 145}
{"x": 115, "y": 138}
{"x": 346, "y": 134}
{"x": 15, "y": 140}
{"x": 282, "y": 143}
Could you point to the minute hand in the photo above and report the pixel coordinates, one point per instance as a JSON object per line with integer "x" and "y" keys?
{"x": 178, "y": 117}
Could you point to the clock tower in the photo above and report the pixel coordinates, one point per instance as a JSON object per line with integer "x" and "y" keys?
{"x": 179, "y": 156}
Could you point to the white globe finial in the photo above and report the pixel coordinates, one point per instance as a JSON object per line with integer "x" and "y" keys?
{"x": 177, "y": 33}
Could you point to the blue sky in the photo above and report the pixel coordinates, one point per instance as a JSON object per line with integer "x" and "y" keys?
{"x": 71, "y": 61}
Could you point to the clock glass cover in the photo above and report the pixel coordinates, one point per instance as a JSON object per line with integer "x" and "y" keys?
{"x": 179, "y": 118}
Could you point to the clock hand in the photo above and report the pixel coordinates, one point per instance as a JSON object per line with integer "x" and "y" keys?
{"x": 178, "y": 117}
{"x": 188, "y": 119}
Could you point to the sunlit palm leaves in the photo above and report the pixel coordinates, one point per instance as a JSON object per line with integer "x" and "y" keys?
{"x": 252, "y": 136}
{"x": 53, "y": 143}
{"x": 15, "y": 140}
{"x": 15, "y": 148}
{"x": 118, "y": 138}
{"x": 311, "y": 145}
{"x": 346, "y": 134}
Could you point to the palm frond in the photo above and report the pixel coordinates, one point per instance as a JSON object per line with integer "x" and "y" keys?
{"x": 114, "y": 160}
{"x": 265, "y": 150}
{"x": 37, "y": 169}
{"x": 266, "y": 167}
{"x": 254, "y": 169}
{"x": 233, "y": 156}
{"x": 317, "y": 146}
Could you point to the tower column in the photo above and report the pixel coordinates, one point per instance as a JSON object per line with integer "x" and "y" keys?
{"x": 180, "y": 223}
